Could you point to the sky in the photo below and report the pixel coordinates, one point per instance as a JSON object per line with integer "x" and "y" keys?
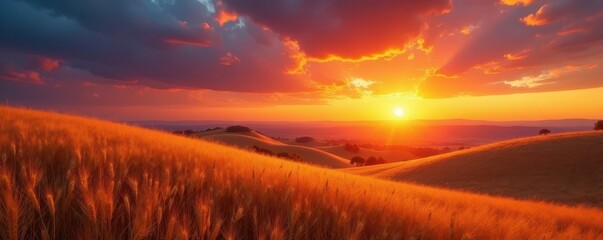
{"x": 304, "y": 60}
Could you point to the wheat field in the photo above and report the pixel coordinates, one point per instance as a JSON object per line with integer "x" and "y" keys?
{"x": 66, "y": 177}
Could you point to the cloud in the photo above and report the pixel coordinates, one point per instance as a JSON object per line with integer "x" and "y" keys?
{"x": 516, "y": 2}
{"x": 342, "y": 29}
{"x": 229, "y": 59}
{"x": 287, "y": 51}
{"x": 505, "y": 48}
{"x": 160, "y": 44}
{"x": 560, "y": 10}
{"x": 361, "y": 83}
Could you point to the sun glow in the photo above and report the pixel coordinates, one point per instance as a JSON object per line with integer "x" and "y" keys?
{"x": 399, "y": 112}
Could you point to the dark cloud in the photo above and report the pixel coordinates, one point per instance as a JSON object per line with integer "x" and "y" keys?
{"x": 146, "y": 21}
{"x": 347, "y": 29}
{"x": 150, "y": 43}
{"x": 264, "y": 47}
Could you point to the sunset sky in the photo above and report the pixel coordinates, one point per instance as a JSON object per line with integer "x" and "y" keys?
{"x": 304, "y": 60}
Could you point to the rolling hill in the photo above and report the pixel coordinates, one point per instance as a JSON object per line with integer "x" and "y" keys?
{"x": 250, "y": 139}
{"x": 564, "y": 168}
{"x": 66, "y": 177}
{"x": 388, "y": 155}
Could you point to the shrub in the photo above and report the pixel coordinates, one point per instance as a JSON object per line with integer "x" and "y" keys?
{"x": 188, "y": 132}
{"x": 599, "y": 125}
{"x": 263, "y": 151}
{"x": 357, "y": 160}
{"x": 237, "y": 128}
{"x": 374, "y": 161}
{"x": 292, "y": 156}
{"x": 178, "y": 132}
{"x": 544, "y": 131}
{"x": 304, "y": 139}
{"x": 352, "y": 148}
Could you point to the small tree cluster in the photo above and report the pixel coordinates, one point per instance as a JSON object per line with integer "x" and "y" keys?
{"x": 599, "y": 125}
{"x": 359, "y": 161}
{"x": 284, "y": 155}
{"x": 374, "y": 161}
{"x": 238, "y": 128}
{"x": 187, "y": 132}
{"x": 305, "y": 139}
{"x": 544, "y": 131}
{"x": 351, "y": 148}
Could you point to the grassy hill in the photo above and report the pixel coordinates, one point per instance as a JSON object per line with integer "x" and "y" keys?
{"x": 251, "y": 133}
{"x": 250, "y": 139}
{"x": 564, "y": 168}
{"x": 388, "y": 155}
{"x": 64, "y": 177}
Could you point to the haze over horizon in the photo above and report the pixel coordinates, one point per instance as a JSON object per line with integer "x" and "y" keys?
{"x": 304, "y": 60}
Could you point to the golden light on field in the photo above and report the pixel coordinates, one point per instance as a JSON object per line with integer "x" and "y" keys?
{"x": 399, "y": 112}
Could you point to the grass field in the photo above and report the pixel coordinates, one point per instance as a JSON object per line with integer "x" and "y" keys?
{"x": 64, "y": 177}
{"x": 563, "y": 168}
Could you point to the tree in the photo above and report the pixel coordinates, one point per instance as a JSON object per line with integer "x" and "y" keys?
{"x": 357, "y": 160}
{"x": 305, "y": 139}
{"x": 599, "y": 125}
{"x": 237, "y": 128}
{"x": 544, "y": 131}
{"x": 188, "y": 132}
{"x": 374, "y": 161}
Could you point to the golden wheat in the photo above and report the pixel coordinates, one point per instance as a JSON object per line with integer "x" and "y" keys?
{"x": 66, "y": 177}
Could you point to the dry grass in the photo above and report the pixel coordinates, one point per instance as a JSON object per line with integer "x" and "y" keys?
{"x": 74, "y": 178}
{"x": 564, "y": 168}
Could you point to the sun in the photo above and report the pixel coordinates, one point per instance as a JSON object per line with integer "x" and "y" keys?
{"x": 398, "y": 112}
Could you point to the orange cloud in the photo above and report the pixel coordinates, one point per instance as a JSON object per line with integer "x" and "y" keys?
{"x": 225, "y": 16}
{"x": 534, "y": 20}
{"x": 466, "y": 30}
{"x": 517, "y": 56}
{"x": 545, "y": 77}
{"x": 294, "y": 52}
{"x": 516, "y": 2}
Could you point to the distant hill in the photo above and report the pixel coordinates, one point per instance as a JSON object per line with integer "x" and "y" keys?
{"x": 452, "y": 132}
{"x": 565, "y": 168}
{"x": 249, "y": 139}
{"x": 388, "y": 155}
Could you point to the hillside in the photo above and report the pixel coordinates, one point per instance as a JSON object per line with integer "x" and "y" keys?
{"x": 64, "y": 177}
{"x": 309, "y": 155}
{"x": 252, "y": 133}
{"x": 388, "y": 155}
{"x": 565, "y": 168}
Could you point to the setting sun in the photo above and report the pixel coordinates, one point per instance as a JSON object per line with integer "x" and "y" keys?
{"x": 398, "y": 112}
